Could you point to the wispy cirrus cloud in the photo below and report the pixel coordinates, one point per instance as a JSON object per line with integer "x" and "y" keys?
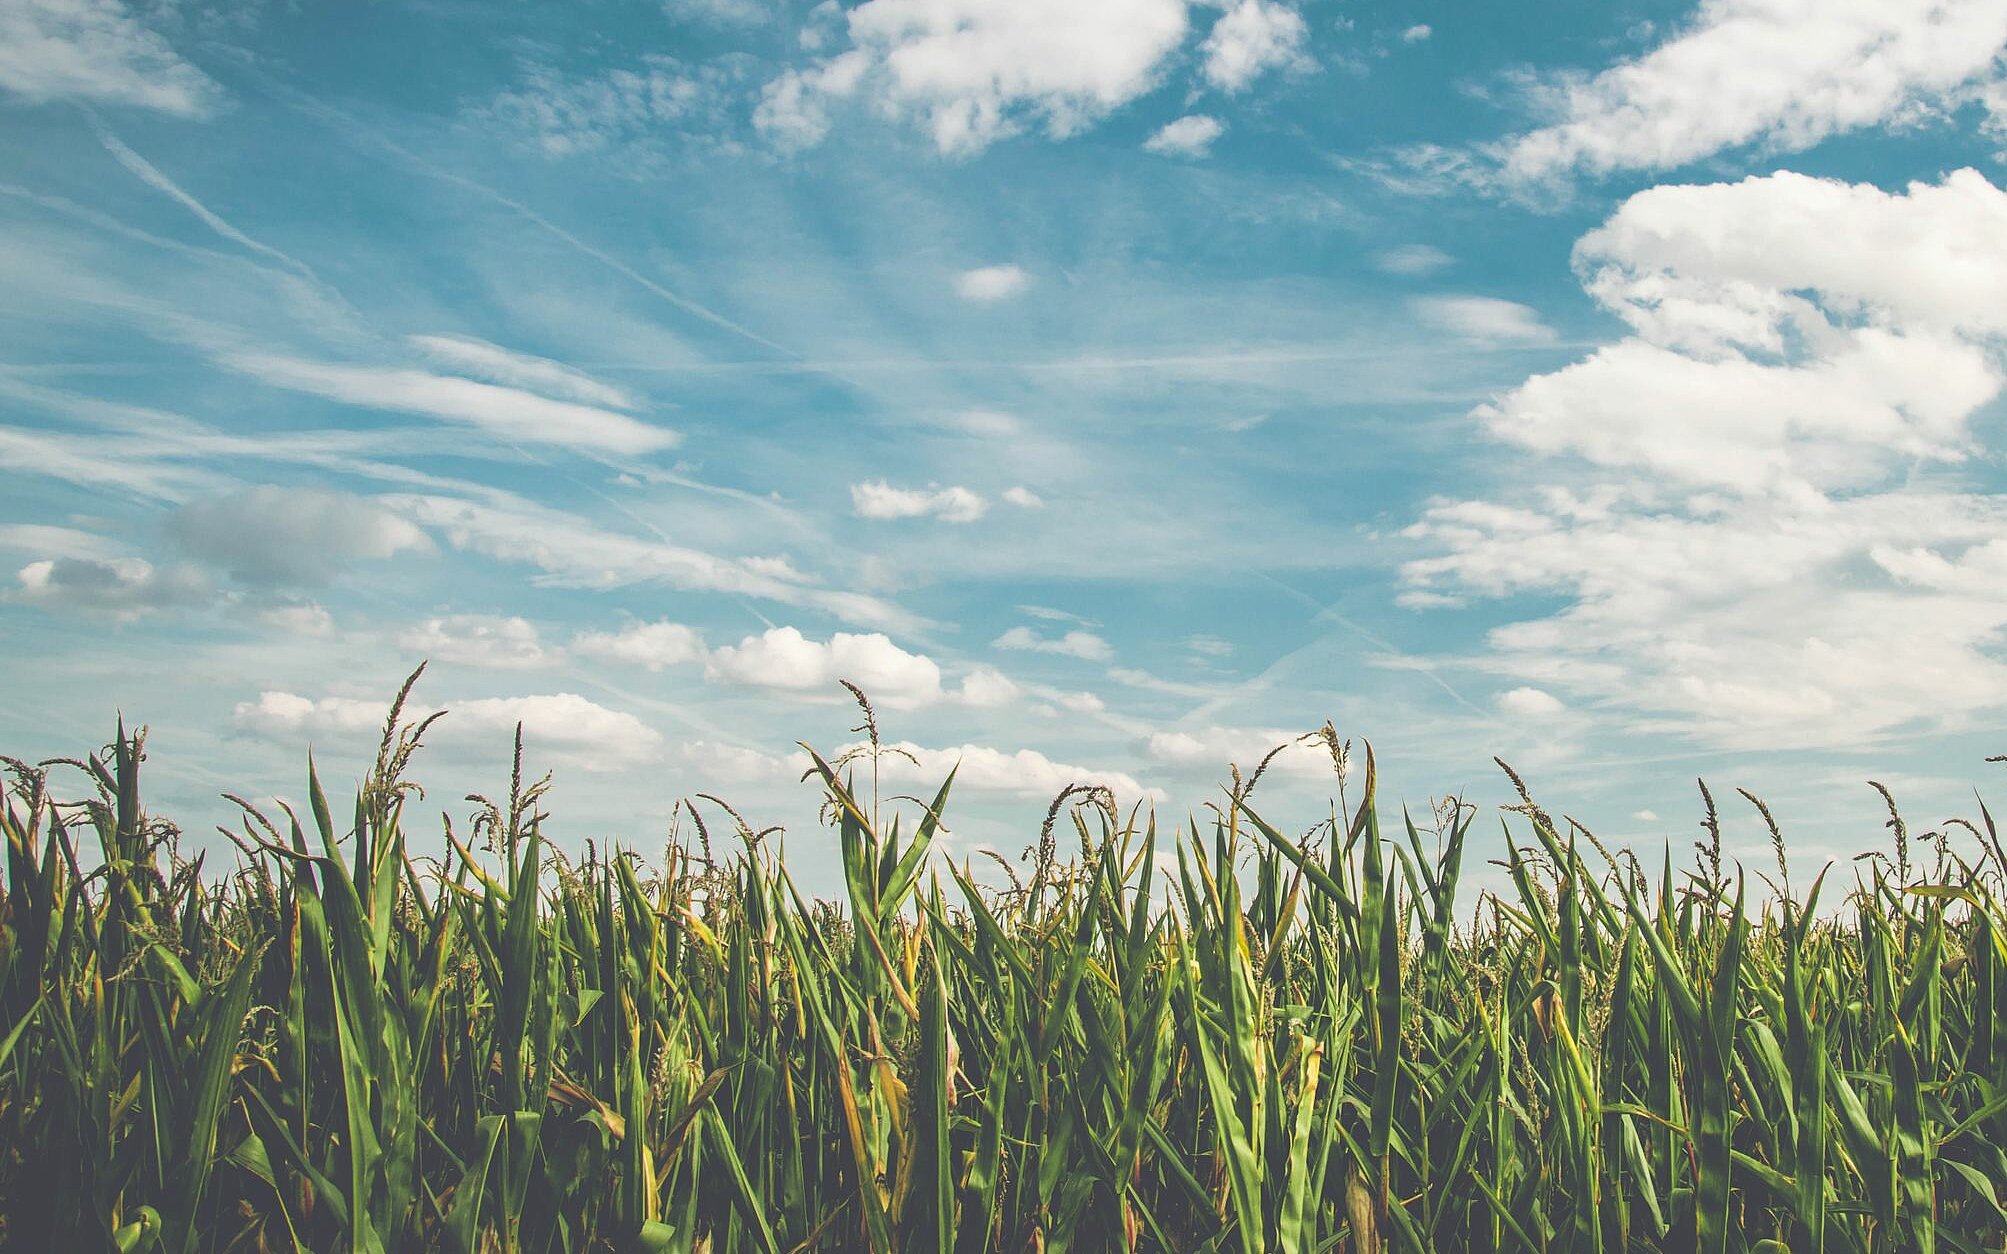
{"x": 1486, "y": 319}
{"x": 508, "y": 413}
{"x": 575, "y": 552}
{"x": 492, "y": 362}
{"x": 571, "y": 115}
{"x": 99, "y": 52}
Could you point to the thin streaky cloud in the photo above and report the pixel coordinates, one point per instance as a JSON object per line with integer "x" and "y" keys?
{"x": 146, "y": 172}
{"x": 356, "y": 133}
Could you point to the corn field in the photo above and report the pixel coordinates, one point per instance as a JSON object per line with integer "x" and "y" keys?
{"x": 1216, "y": 1035}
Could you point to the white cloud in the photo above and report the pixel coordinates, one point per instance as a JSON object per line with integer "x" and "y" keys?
{"x": 1023, "y": 498}
{"x": 577, "y": 731}
{"x": 1189, "y": 136}
{"x": 1209, "y": 646}
{"x": 53, "y": 541}
{"x": 1023, "y": 773}
{"x": 1417, "y": 33}
{"x": 988, "y": 424}
{"x": 1051, "y": 615}
{"x": 496, "y": 364}
{"x": 305, "y": 618}
{"x": 1081, "y": 644}
{"x": 985, "y": 688}
{"x": 1484, "y": 318}
{"x": 1253, "y": 37}
{"x": 1412, "y": 260}
{"x": 794, "y": 109}
{"x": 285, "y": 712}
{"x": 712, "y": 764}
{"x": 1790, "y": 333}
{"x": 975, "y": 71}
{"x": 720, "y": 12}
{"x": 653, "y": 645}
{"x": 480, "y": 640}
{"x": 986, "y": 285}
{"x": 563, "y": 115}
{"x": 783, "y": 658}
{"x": 96, "y": 51}
{"x": 580, "y": 731}
{"x": 883, "y": 501}
{"x": 572, "y": 552}
{"x": 505, "y": 412}
{"x": 1213, "y": 749}
{"x": 120, "y": 587}
{"x": 1785, "y": 73}
{"x": 1752, "y": 546}
{"x": 1526, "y": 702}
{"x": 276, "y": 536}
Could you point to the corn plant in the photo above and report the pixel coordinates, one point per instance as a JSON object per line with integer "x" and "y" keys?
{"x": 1198, "y": 1036}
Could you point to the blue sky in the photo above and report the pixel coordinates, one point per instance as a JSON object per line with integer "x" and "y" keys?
{"x": 1113, "y": 388}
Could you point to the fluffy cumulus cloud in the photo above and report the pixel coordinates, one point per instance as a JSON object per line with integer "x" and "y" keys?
{"x": 281, "y": 536}
{"x": 981, "y": 768}
{"x": 1761, "y": 538}
{"x": 564, "y": 725}
{"x": 1526, "y": 701}
{"x": 1485, "y": 319}
{"x": 880, "y": 500}
{"x": 986, "y": 285}
{"x": 578, "y": 730}
{"x": 1786, "y": 73}
{"x": 479, "y": 640}
{"x": 1252, "y": 38}
{"x": 986, "y": 688}
{"x": 97, "y": 51}
{"x": 1081, "y": 644}
{"x": 1788, "y": 333}
{"x": 652, "y": 645}
{"x": 974, "y": 71}
{"x": 276, "y": 712}
{"x": 119, "y": 587}
{"x": 1189, "y": 136}
{"x": 784, "y": 659}
{"x": 1214, "y": 749}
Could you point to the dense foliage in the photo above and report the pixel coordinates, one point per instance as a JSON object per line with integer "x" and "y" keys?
{"x": 1215, "y": 1038}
